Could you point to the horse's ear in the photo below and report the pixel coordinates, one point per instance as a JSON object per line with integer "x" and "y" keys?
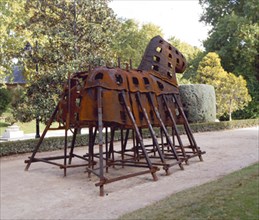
{"x": 163, "y": 58}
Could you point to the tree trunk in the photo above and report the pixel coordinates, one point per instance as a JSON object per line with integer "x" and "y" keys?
{"x": 230, "y": 116}
{"x": 230, "y": 111}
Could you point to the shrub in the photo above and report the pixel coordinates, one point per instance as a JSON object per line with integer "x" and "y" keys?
{"x": 48, "y": 144}
{"x": 5, "y": 100}
{"x": 55, "y": 143}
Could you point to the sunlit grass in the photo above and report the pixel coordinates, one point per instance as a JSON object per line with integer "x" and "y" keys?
{"x": 29, "y": 127}
{"x": 235, "y": 196}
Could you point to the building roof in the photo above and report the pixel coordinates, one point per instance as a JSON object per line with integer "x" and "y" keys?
{"x": 17, "y": 77}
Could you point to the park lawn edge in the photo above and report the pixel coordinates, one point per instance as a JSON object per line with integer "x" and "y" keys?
{"x": 234, "y": 196}
{"x": 56, "y": 143}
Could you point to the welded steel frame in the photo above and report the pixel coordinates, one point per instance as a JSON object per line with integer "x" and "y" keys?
{"x": 151, "y": 157}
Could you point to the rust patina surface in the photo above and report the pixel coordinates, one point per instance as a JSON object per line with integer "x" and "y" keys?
{"x": 129, "y": 102}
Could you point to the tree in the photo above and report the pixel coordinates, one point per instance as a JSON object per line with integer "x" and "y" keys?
{"x": 234, "y": 36}
{"x": 132, "y": 39}
{"x": 214, "y": 10}
{"x": 5, "y": 100}
{"x": 236, "y": 40}
{"x": 189, "y": 51}
{"x": 42, "y": 95}
{"x": 191, "y": 70}
{"x": 72, "y": 34}
{"x": 237, "y": 96}
{"x": 193, "y": 57}
{"x": 12, "y": 39}
{"x": 231, "y": 91}
{"x": 65, "y": 36}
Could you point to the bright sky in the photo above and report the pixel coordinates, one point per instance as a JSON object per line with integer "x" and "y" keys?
{"x": 179, "y": 18}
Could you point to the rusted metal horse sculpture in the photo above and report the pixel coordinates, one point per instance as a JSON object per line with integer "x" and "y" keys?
{"x": 127, "y": 102}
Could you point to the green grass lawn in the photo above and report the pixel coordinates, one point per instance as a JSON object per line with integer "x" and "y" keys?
{"x": 29, "y": 127}
{"x": 235, "y": 196}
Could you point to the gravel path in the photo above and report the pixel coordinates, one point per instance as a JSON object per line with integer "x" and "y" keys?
{"x": 43, "y": 192}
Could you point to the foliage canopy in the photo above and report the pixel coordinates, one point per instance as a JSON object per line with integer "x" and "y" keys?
{"x": 12, "y": 39}
{"x": 63, "y": 37}
{"x": 51, "y": 39}
{"x": 231, "y": 91}
{"x": 234, "y": 36}
{"x": 5, "y": 100}
{"x": 131, "y": 40}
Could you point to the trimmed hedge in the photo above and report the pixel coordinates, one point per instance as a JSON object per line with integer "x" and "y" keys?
{"x": 48, "y": 144}
{"x": 55, "y": 143}
{"x": 224, "y": 125}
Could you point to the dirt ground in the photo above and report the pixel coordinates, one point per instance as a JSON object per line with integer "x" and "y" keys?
{"x": 43, "y": 192}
